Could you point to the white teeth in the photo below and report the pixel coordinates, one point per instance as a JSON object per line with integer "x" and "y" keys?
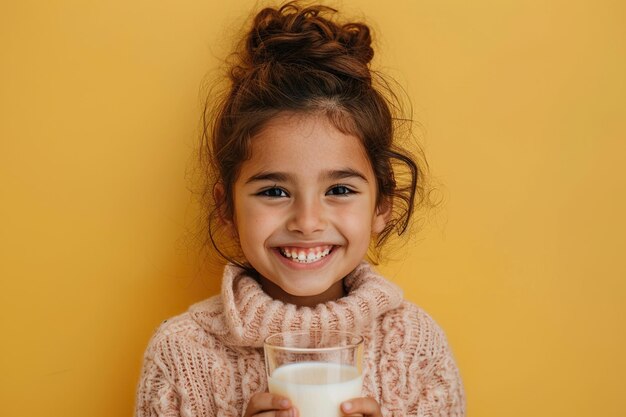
{"x": 301, "y": 256}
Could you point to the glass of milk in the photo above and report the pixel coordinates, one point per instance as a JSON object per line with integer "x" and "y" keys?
{"x": 316, "y": 370}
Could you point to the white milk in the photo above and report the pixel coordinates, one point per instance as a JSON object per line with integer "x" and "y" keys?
{"x": 317, "y": 389}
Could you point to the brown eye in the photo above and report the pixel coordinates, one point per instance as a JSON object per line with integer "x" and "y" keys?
{"x": 273, "y": 192}
{"x": 339, "y": 190}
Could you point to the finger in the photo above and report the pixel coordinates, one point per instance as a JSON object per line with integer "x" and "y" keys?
{"x": 366, "y": 406}
{"x": 262, "y": 402}
{"x": 290, "y": 412}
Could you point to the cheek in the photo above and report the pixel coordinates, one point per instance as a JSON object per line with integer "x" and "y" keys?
{"x": 356, "y": 222}
{"x": 253, "y": 225}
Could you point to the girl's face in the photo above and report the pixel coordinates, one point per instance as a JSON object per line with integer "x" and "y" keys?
{"x": 305, "y": 208}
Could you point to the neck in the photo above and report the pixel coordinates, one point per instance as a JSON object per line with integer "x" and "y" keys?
{"x": 335, "y": 292}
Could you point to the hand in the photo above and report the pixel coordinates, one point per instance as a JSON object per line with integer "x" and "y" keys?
{"x": 368, "y": 407}
{"x": 270, "y": 405}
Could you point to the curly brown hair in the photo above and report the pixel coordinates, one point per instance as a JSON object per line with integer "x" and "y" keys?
{"x": 299, "y": 59}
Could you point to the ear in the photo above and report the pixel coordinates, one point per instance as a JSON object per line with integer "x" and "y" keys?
{"x": 381, "y": 216}
{"x": 219, "y": 197}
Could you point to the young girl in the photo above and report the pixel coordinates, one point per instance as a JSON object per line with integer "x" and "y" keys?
{"x": 303, "y": 157}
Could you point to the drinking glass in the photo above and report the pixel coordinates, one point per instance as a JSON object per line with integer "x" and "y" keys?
{"x": 316, "y": 370}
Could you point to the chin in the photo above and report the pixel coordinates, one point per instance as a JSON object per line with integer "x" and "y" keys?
{"x": 299, "y": 292}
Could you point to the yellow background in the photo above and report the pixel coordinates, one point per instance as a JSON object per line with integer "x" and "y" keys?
{"x": 523, "y": 111}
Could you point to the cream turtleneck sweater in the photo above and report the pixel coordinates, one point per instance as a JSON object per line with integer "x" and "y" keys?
{"x": 209, "y": 361}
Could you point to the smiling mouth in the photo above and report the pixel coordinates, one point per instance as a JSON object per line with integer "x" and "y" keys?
{"x": 306, "y": 255}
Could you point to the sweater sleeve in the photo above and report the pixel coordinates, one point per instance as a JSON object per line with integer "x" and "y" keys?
{"x": 156, "y": 394}
{"x": 436, "y": 376}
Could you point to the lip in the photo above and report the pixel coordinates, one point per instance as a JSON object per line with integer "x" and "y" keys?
{"x": 303, "y": 245}
{"x": 305, "y": 266}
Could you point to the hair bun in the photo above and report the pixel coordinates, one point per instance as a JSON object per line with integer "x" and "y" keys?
{"x": 294, "y": 35}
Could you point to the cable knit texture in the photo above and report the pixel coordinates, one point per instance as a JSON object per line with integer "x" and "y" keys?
{"x": 209, "y": 361}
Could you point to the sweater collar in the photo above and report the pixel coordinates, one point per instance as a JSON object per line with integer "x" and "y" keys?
{"x": 244, "y": 315}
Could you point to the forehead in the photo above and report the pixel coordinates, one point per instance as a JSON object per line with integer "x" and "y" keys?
{"x": 305, "y": 144}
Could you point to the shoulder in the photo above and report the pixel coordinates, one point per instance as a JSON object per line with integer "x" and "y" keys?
{"x": 183, "y": 332}
{"x": 414, "y": 361}
{"x": 420, "y": 333}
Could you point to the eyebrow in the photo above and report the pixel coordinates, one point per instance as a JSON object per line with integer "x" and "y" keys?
{"x": 335, "y": 174}
{"x": 269, "y": 176}
{"x": 340, "y": 174}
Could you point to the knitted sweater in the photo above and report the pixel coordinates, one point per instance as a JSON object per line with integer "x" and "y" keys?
{"x": 209, "y": 361}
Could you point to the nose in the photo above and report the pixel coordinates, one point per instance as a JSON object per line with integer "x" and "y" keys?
{"x": 307, "y": 217}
